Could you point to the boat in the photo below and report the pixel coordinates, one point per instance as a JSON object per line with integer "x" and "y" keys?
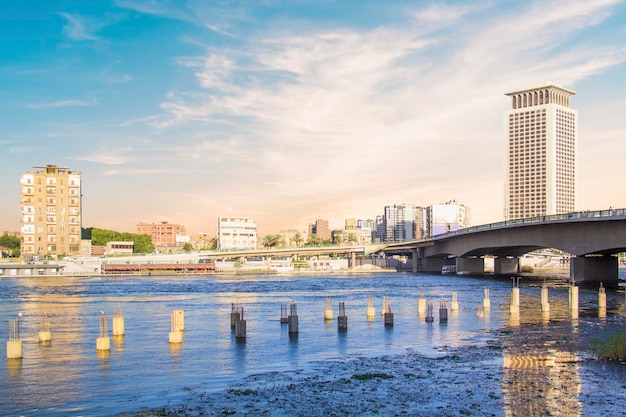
{"x": 448, "y": 270}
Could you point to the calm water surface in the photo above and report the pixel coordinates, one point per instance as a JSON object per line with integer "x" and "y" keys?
{"x": 69, "y": 377}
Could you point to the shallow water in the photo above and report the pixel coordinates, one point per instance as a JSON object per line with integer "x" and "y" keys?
{"x": 69, "y": 377}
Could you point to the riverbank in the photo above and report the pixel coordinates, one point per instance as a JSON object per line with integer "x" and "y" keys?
{"x": 525, "y": 370}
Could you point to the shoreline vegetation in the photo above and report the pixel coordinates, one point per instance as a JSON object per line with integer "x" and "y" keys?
{"x": 521, "y": 370}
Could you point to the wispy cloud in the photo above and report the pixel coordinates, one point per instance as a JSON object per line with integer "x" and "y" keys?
{"x": 75, "y": 28}
{"x": 62, "y": 103}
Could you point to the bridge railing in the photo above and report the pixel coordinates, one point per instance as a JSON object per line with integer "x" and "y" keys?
{"x": 574, "y": 216}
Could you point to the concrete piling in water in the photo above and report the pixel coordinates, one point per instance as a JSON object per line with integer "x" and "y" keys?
{"x": 421, "y": 306}
{"x": 240, "y": 325}
{"x": 342, "y": 319}
{"x": 235, "y": 315}
{"x": 103, "y": 343}
{"x": 177, "y": 326}
{"x": 443, "y": 312}
{"x": 486, "y": 300}
{"x": 328, "y": 312}
{"x": 573, "y": 300}
{"x": 387, "y": 315}
{"x": 284, "y": 313}
{"x": 44, "y": 336}
{"x": 371, "y": 311}
{"x": 430, "y": 312}
{"x": 454, "y": 305}
{"x": 385, "y": 304}
{"x": 545, "y": 301}
{"x": 293, "y": 319}
{"x": 514, "y": 307}
{"x": 118, "y": 322}
{"x": 480, "y": 311}
{"x": 14, "y": 344}
{"x": 601, "y": 301}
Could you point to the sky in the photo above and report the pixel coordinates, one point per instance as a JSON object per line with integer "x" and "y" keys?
{"x": 289, "y": 111}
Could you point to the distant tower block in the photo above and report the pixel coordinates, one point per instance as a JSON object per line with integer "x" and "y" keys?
{"x": 454, "y": 305}
{"x": 443, "y": 312}
{"x": 284, "y": 313}
{"x": 176, "y": 334}
{"x": 545, "y": 301}
{"x": 240, "y": 326}
{"x": 44, "y": 334}
{"x": 486, "y": 300}
{"x": 573, "y": 301}
{"x": 342, "y": 319}
{"x": 430, "y": 317}
{"x": 421, "y": 306}
{"x": 371, "y": 311}
{"x": 388, "y": 315}
{"x": 385, "y": 304}
{"x": 328, "y": 312}
{"x": 293, "y": 319}
{"x": 14, "y": 344}
{"x": 103, "y": 342}
{"x": 118, "y": 322}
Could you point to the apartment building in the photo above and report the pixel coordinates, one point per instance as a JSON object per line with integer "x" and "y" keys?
{"x": 236, "y": 233}
{"x": 163, "y": 233}
{"x": 50, "y": 209}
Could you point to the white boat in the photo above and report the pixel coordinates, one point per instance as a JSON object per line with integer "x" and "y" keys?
{"x": 448, "y": 270}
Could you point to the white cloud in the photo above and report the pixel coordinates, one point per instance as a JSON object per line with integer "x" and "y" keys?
{"x": 75, "y": 28}
{"x": 62, "y": 103}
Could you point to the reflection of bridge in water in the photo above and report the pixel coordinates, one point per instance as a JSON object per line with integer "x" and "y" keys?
{"x": 592, "y": 238}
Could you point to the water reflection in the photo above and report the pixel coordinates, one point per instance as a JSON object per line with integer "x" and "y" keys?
{"x": 70, "y": 375}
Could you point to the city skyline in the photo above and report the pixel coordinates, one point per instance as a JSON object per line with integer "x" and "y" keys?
{"x": 288, "y": 112}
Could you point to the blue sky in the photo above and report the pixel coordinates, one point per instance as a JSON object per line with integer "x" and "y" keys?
{"x": 286, "y": 111}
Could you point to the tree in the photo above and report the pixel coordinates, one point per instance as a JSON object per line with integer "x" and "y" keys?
{"x": 11, "y": 243}
{"x": 337, "y": 240}
{"x": 352, "y": 238}
{"x": 100, "y": 237}
{"x": 297, "y": 239}
{"x": 271, "y": 241}
{"x": 187, "y": 247}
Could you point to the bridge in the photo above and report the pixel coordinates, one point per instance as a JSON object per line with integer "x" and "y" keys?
{"x": 592, "y": 238}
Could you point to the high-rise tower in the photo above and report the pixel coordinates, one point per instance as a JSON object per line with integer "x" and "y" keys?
{"x": 50, "y": 204}
{"x": 541, "y": 135}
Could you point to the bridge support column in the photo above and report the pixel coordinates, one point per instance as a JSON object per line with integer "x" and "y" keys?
{"x": 506, "y": 266}
{"x": 433, "y": 264}
{"x": 475, "y": 266}
{"x": 593, "y": 269}
{"x": 414, "y": 254}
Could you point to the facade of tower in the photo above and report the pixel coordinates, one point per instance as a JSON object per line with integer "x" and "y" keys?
{"x": 541, "y": 138}
{"x": 50, "y": 207}
{"x": 399, "y": 223}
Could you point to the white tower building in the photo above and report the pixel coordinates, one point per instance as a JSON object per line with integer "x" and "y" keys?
{"x": 236, "y": 233}
{"x": 541, "y": 139}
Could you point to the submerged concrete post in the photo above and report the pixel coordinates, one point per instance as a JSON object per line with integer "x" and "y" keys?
{"x": 421, "y": 306}
{"x": 514, "y": 307}
{"x": 430, "y": 312}
{"x": 486, "y": 300}
{"x": 293, "y": 319}
{"x": 118, "y": 322}
{"x": 328, "y": 312}
{"x": 240, "y": 325}
{"x": 443, "y": 312}
{"x": 284, "y": 313}
{"x": 176, "y": 327}
{"x": 371, "y": 311}
{"x": 385, "y": 304}
{"x": 103, "y": 342}
{"x": 454, "y": 305}
{"x": 44, "y": 336}
{"x": 601, "y": 301}
{"x": 545, "y": 302}
{"x": 387, "y": 315}
{"x": 234, "y": 315}
{"x": 573, "y": 300}
{"x": 14, "y": 344}
{"x": 342, "y": 319}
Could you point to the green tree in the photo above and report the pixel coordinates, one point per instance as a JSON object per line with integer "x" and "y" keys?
{"x": 187, "y": 247}
{"x": 100, "y": 237}
{"x": 352, "y": 238}
{"x": 297, "y": 239}
{"x": 11, "y": 243}
{"x": 272, "y": 241}
{"x": 337, "y": 240}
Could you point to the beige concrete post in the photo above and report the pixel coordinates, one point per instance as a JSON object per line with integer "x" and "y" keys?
{"x": 371, "y": 311}
{"x": 14, "y": 349}
{"x": 545, "y": 302}
{"x": 573, "y": 296}
{"x": 421, "y": 306}
{"x": 486, "y": 300}
{"x": 514, "y": 307}
{"x": 454, "y": 305}
{"x": 44, "y": 335}
{"x": 328, "y": 312}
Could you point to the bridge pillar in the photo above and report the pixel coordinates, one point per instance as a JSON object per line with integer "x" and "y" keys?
{"x": 414, "y": 260}
{"x": 433, "y": 264}
{"x": 593, "y": 269}
{"x": 474, "y": 266}
{"x": 506, "y": 266}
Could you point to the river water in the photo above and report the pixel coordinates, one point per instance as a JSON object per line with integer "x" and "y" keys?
{"x": 142, "y": 369}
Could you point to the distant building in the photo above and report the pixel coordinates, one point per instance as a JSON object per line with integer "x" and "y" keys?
{"x": 320, "y": 229}
{"x": 421, "y": 225}
{"x": 119, "y": 248}
{"x": 50, "y": 206}
{"x": 448, "y": 217}
{"x": 541, "y": 135}
{"x": 399, "y": 223}
{"x": 350, "y": 224}
{"x": 293, "y": 237}
{"x": 236, "y": 233}
{"x": 162, "y": 234}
